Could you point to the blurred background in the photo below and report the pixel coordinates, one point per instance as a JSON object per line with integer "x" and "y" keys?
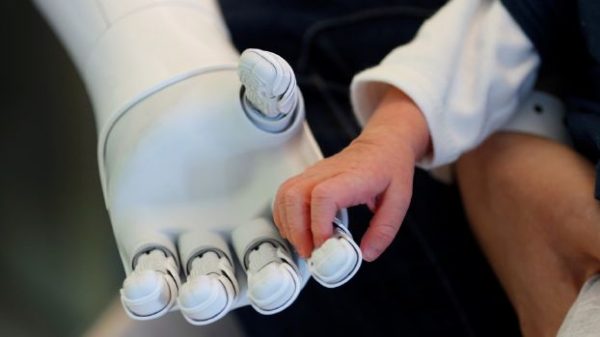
{"x": 57, "y": 254}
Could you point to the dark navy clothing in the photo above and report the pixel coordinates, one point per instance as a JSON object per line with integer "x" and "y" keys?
{"x": 327, "y": 42}
{"x": 433, "y": 281}
{"x": 566, "y": 34}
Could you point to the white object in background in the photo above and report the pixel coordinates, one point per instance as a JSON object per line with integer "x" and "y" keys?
{"x": 467, "y": 69}
{"x": 337, "y": 260}
{"x": 582, "y": 318}
{"x": 181, "y": 152}
{"x": 540, "y": 114}
{"x": 543, "y": 115}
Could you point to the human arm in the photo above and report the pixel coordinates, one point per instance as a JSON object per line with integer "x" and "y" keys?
{"x": 529, "y": 202}
{"x": 376, "y": 169}
{"x": 467, "y": 69}
{"x": 466, "y": 72}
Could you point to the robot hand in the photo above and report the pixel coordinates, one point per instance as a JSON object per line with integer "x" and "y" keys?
{"x": 190, "y": 173}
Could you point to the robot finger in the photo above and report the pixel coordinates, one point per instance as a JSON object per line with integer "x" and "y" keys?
{"x": 211, "y": 287}
{"x": 150, "y": 290}
{"x": 273, "y": 278}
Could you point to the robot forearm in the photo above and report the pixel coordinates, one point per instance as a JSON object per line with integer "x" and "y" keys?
{"x": 127, "y": 50}
{"x": 191, "y": 157}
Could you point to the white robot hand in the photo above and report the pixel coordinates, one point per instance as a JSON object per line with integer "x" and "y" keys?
{"x": 200, "y": 178}
{"x": 194, "y": 141}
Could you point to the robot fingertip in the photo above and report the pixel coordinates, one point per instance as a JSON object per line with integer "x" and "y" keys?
{"x": 146, "y": 294}
{"x": 336, "y": 261}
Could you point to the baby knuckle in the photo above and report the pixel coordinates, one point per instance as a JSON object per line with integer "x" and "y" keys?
{"x": 292, "y": 196}
{"x": 322, "y": 230}
{"x": 321, "y": 193}
{"x": 288, "y": 184}
{"x": 386, "y": 232}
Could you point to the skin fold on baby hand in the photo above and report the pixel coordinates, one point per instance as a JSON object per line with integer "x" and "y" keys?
{"x": 376, "y": 169}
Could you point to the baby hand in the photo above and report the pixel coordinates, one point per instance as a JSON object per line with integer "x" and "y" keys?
{"x": 376, "y": 169}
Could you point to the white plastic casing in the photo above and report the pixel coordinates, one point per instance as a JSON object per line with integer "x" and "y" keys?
{"x": 274, "y": 275}
{"x": 540, "y": 114}
{"x": 211, "y": 287}
{"x": 151, "y": 290}
{"x": 337, "y": 260}
{"x": 177, "y": 152}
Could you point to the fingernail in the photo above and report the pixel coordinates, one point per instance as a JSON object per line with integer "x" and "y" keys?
{"x": 303, "y": 254}
{"x": 369, "y": 254}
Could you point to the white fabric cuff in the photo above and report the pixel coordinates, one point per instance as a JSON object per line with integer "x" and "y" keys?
{"x": 468, "y": 70}
{"x": 369, "y": 86}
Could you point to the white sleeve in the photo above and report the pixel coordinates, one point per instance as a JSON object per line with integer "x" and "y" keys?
{"x": 467, "y": 69}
